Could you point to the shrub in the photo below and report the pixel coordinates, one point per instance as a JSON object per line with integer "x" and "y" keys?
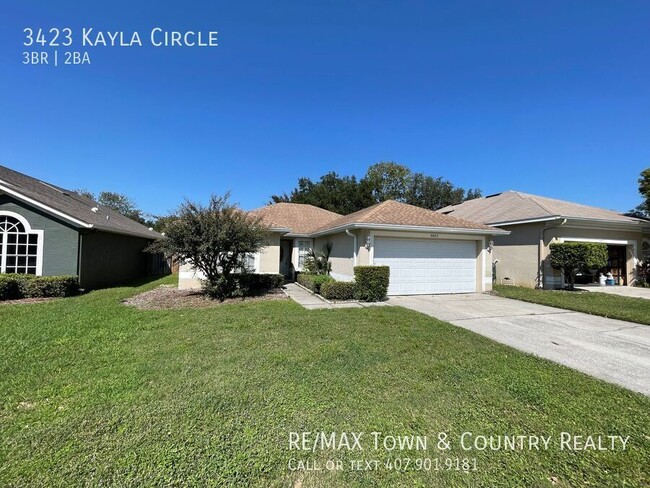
{"x": 215, "y": 239}
{"x": 9, "y": 287}
{"x": 16, "y": 286}
{"x": 313, "y": 282}
{"x": 642, "y": 275}
{"x": 258, "y": 284}
{"x": 371, "y": 283}
{"x": 572, "y": 257}
{"x": 338, "y": 290}
{"x": 318, "y": 262}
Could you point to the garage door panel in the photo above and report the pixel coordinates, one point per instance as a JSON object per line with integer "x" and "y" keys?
{"x": 424, "y": 266}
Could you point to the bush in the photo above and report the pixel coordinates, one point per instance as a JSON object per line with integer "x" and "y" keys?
{"x": 642, "y": 275}
{"x": 258, "y": 284}
{"x": 371, "y": 283}
{"x": 338, "y": 290}
{"x": 9, "y": 287}
{"x": 313, "y": 282}
{"x": 573, "y": 257}
{"x": 16, "y": 286}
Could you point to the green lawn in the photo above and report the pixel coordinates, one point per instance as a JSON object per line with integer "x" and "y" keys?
{"x": 95, "y": 393}
{"x": 603, "y": 304}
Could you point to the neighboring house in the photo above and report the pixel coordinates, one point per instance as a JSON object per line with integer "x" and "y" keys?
{"x": 427, "y": 252}
{"x": 535, "y": 222}
{"x": 46, "y": 230}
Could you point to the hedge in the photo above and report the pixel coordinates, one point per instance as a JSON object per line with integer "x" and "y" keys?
{"x": 338, "y": 290}
{"x": 371, "y": 283}
{"x": 258, "y": 284}
{"x": 17, "y": 286}
{"x": 313, "y": 282}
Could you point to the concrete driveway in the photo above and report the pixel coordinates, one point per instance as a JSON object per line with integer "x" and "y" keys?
{"x": 612, "y": 350}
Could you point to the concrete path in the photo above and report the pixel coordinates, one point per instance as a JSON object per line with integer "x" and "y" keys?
{"x": 612, "y": 350}
{"x": 311, "y": 301}
{"x": 625, "y": 291}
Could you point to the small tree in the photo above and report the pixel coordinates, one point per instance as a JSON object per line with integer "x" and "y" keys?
{"x": 215, "y": 240}
{"x": 572, "y": 257}
{"x": 318, "y": 262}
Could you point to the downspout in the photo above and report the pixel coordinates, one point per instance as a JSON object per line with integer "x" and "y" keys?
{"x": 354, "y": 236}
{"x": 542, "y": 240}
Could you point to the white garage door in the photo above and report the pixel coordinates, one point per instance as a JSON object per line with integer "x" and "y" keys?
{"x": 426, "y": 266}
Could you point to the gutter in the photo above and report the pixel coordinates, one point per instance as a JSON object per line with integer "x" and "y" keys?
{"x": 578, "y": 219}
{"x": 416, "y": 228}
{"x": 356, "y": 242}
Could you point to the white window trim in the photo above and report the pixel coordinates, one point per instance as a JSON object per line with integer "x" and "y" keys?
{"x": 28, "y": 230}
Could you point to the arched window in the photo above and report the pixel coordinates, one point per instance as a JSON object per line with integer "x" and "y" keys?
{"x": 20, "y": 246}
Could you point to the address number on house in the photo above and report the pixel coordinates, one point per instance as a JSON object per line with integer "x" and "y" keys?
{"x": 433, "y": 235}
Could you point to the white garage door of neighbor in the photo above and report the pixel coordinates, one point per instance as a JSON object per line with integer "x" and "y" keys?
{"x": 426, "y": 266}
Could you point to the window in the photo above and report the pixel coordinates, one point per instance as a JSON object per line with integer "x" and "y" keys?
{"x": 303, "y": 252}
{"x": 645, "y": 251}
{"x": 19, "y": 246}
{"x": 249, "y": 263}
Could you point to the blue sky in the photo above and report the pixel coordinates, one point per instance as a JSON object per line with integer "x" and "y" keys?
{"x": 549, "y": 97}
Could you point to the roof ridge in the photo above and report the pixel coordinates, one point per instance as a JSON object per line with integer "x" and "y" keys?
{"x": 377, "y": 207}
{"x": 534, "y": 199}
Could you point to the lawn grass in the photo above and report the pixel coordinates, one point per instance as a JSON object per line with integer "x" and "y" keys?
{"x": 96, "y": 393}
{"x": 604, "y": 304}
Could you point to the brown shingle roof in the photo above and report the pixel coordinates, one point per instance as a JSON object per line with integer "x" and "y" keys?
{"x": 511, "y": 206}
{"x": 72, "y": 205}
{"x": 395, "y": 213}
{"x": 300, "y": 218}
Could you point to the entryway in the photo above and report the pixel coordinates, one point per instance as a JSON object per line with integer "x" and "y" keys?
{"x": 286, "y": 268}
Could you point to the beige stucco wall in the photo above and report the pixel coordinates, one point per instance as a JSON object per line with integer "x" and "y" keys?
{"x": 342, "y": 255}
{"x": 269, "y": 256}
{"x": 189, "y": 278}
{"x": 517, "y": 254}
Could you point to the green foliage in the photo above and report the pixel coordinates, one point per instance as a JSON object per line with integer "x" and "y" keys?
{"x": 119, "y": 203}
{"x": 214, "y": 239}
{"x": 313, "y": 282}
{"x": 573, "y": 257}
{"x": 371, "y": 283}
{"x": 643, "y": 275}
{"x": 383, "y": 181}
{"x": 340, "y": 194}
{"x": 388, "y": 180}
{"x": 16, "y": 286}
{"x": 251, "y": 284}
{"x": 9, "y": 287}
{"x": 643, "y": 210}
{"x": 318, "y": 262}
{"x": 338, "y": 290}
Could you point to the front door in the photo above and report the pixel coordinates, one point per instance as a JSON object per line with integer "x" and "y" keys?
{"x": 286, "y": 246}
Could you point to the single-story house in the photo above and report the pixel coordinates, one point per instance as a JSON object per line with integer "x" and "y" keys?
{"x": 535, "y": 222}
{"x": 427, "y": 252}
{"x": 47, "y": 230}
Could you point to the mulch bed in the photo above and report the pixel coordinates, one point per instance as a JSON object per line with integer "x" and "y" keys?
{"x": 169, "y": 297}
